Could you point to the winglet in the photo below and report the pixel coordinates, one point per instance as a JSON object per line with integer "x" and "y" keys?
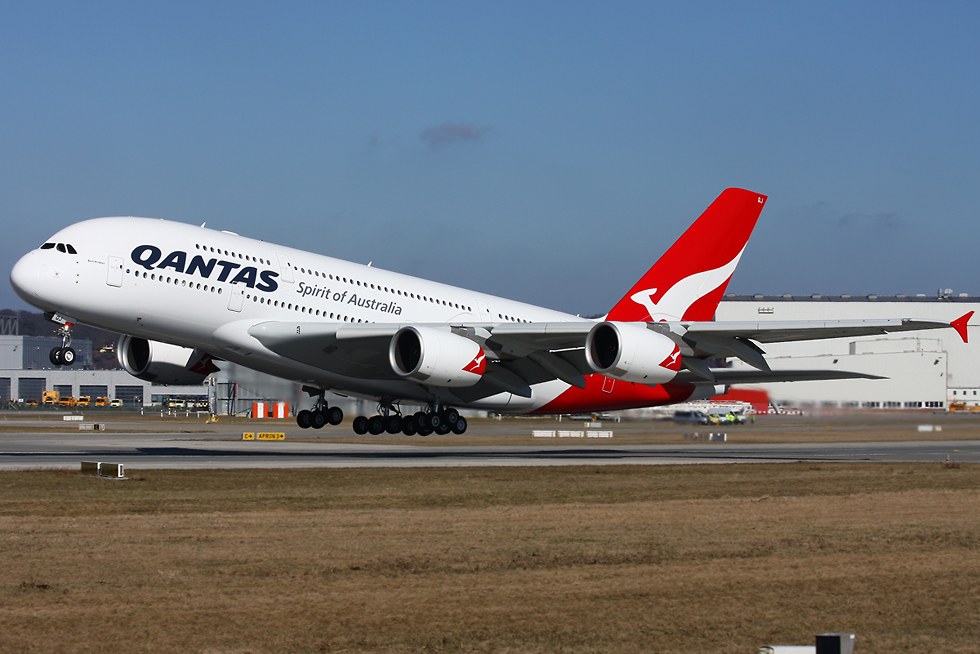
{"x": 960, "y": 325}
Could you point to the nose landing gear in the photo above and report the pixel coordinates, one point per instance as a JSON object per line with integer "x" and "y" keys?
{"x": 64, "y": 355}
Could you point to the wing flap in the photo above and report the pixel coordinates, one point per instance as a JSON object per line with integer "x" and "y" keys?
{"x": 730, "y": 376}
{"x": 804, "y": 330}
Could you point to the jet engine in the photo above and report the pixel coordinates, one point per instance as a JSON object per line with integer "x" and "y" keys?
{"x": 162, "y": 363}
{"x": 436, "y": 357}
{"x": 631, "y": 352}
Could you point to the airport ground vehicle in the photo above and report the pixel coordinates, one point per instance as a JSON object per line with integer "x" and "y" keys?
{"x": 30, "y": 403}
{"x": 68, "y": 400}
{"x": 84, "y": 400}
{"x": 116, "y": 402}
{"x": 101, "y": 401}
{"x": 691, "y": 418}
{"x": 50, "y": 398}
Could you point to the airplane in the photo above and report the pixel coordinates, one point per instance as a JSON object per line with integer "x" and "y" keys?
{"x": 185, "y": 297}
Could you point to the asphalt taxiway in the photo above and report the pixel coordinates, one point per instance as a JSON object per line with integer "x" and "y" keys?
{"x": 145, "y": 447}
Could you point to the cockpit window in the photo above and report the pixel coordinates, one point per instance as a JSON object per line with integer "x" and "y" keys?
{"x": 61, "y": 247}
{"x": 71, "y": 250}
{"x": 47, "y": 246}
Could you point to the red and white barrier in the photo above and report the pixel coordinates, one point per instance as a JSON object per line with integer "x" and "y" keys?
{"x": 280, "y": 410}
{"x": 260, "y": 410}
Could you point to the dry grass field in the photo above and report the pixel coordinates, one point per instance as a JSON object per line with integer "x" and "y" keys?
{"x": 720, "y": 558}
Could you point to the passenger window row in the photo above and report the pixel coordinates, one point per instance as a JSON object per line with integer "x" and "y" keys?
{"x": 233, "y": 255}
{"x": 289, "y": 306}
{"x": 153, "y": 277}
{"x": 378, "y": 287}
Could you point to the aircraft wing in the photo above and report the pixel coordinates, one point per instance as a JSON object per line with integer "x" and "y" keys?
{"x": 358, "y": 350}
{"x": 523, "y": 354}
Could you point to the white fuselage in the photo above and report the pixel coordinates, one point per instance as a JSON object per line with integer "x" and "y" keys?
{"x": 203, "y": 289}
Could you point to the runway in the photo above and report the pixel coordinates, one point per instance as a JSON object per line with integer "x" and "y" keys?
{"x": 224, "y": 449}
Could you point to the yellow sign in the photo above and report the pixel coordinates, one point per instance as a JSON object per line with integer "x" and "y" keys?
{"x": 248, "y": 437}
{"x": 271, "y": 436}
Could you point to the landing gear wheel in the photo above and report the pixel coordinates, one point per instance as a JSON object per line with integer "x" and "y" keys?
{"x": 443, "y": 428}
{"x": 422, "y": 421}
{"x": 334, "y": 415}
{"x": 303, "y": 419}
{"x": 67, "y": 356}
{"x": 317, "y": 419}
{"x": 376, "y": 425}
{"x": 460, "y": 426}
{"x": 360, "y": 425}
{"x": 451, "y": 416}
{"x": 393, "y": 424}
{"x": 55, "y": 356}
{"x": 435, "y": 420}
{"x": 408, "y": 426}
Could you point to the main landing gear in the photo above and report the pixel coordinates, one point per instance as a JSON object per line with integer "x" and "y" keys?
{"x": 64, "y": 355}
{"x": 320, "y": 415}
{"x": 435, "y": 420}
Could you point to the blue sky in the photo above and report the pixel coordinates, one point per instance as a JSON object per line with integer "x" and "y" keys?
{"x": 547, "y": 152}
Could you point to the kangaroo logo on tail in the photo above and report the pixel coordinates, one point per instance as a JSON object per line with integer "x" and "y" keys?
{"x": 687, "y": 282}
{"x": 678, "y": 298}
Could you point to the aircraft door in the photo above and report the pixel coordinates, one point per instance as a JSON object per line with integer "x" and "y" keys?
{"x": 237, "y": 298}
{"x": 285, "y": 268}
{"x": 485, "y": 315}
{"x": 115, "y": 271}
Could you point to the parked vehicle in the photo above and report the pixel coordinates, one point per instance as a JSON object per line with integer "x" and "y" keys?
{"x": 116, "y": 402}
{"x": 68, "y": 400}
{"x": 50, "y": 398}
{"x": 84, "y": 400}
{"x": 30, "y": 403}
{"x": 101, "y": 401}
{"x": 691, "y": 418}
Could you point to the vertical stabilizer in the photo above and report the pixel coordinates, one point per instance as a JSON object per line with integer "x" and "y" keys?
{"x": 688, "y": 281}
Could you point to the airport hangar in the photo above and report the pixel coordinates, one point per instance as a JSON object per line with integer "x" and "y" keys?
{"x": 924, "y": 370}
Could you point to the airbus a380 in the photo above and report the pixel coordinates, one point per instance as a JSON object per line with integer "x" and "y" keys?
{"x": 185, "y": 297}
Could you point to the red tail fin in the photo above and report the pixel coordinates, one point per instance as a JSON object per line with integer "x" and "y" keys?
{"x": 688, "y": 281}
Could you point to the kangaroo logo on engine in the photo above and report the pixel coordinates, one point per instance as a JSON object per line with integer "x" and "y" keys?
{"x": 151, "y": 258}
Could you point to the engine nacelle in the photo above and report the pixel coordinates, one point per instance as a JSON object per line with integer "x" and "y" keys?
{"x": 631, "y": 352}
{"x": 436, "y": 357}
{"x": 162, "y": 363}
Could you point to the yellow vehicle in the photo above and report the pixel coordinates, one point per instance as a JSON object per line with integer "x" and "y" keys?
{"x": 101, "y": 401}
{"x": 50, "y": 398}
{"x": 30, "y": 403}
{"x": 175, "y": 404}
{"x": 68, "y": 400}
{"x": 84, "y": 400}
{"x": 116, "y": 402}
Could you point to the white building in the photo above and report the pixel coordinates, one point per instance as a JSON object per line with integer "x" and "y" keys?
{"x": 924, "y": 369}
{"x": 26, "y": 372}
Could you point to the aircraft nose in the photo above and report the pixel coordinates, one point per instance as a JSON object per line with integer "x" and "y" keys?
{"x": 25, "y": 278}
